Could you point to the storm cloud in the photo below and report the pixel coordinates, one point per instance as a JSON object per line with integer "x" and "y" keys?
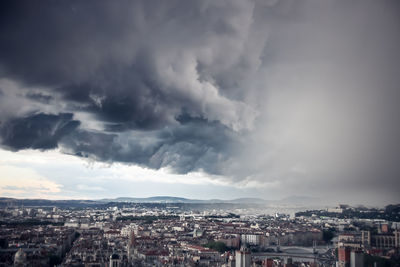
{"x": 294, "y": 95}
{"x": 38, "y": 131}
{"x": 134, "y": 67}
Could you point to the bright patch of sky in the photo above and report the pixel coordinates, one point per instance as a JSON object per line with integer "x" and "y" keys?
{"x": 53, "y": 175}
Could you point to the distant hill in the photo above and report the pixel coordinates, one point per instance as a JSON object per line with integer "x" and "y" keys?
{"x": 292, "y": 201}
{"x": 156, "y": 199}
{"x": 169, "y": 199}
{"x": 4, "y": 202}
{"x": 248, "y": 200}
{"x": 295, "y": 200}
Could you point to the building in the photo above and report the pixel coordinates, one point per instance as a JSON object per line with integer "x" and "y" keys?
{"x": 251, "y": 239}
{"x": 386, "y": 240}
{"x": 380, "y": 241}
{"x": 343, "y": 257}
{"x": 356, "y": 259}
{"x": 243, "y": 257}
{"x": 115, "y": 260}
{"x": 20, "y": 259}
{"x": 366, "y": 238}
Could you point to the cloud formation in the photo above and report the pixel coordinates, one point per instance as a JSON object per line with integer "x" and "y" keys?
{"x": 146, "y": 71}
{"x": 289, "y": 94}
{"x": 38, "y": 131}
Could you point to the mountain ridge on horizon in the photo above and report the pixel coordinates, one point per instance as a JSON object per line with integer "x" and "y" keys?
{"x": 290, "y": 201}
{"x": 173, "y": 199}
{"x": 247, "y": 200}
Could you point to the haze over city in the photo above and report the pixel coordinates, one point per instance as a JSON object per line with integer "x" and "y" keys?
{"x": 200, "y": 99}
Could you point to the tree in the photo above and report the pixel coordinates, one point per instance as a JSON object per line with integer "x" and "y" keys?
{"x": 218, "y": 246}
{"x": 328, "y": 234}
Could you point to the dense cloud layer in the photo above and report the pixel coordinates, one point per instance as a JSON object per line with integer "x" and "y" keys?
{"x": 288, "y": 94}
{"x": 132, "y": 66}
{"x": 39, "y": 131}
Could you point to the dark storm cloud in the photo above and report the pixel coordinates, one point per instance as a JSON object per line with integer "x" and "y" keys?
{"x": 195, "y": 145}
{"x": 192, "y": 146}
{"x": 38, "y": 131}
{"x": 39, "y": 97}
{"x": 129, "y": 61}
{"x": 281, "y": 93}
{"x": 132, "y": 65}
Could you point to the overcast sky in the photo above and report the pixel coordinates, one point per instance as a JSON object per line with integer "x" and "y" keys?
{"x": 201, "y": 99}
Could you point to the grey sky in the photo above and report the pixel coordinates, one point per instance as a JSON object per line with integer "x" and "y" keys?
{"x": 293, "y": 97}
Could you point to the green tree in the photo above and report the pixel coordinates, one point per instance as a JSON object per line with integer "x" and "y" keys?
{"x": 218, "y": 246}
{"x": 328, "y": 234}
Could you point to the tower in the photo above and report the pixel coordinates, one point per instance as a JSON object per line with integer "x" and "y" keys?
{"x": 343, "y": 257}
{"x": 314, "y": 246}
{"x": 20, "y": 258}
{"x": 243, "y": 257}
{"x": 356, "y": 259}
{"x": 131, "y": 245}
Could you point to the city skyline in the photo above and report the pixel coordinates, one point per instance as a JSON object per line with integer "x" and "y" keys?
{"x": 201, "y": 99}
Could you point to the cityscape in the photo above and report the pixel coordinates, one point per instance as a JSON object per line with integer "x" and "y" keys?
{"x": 164, "y": 233}
{"x": 222, "y": 133}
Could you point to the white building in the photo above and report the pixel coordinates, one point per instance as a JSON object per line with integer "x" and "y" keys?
{"x": 251, "y": 239}
{"x": 243, "y": 258}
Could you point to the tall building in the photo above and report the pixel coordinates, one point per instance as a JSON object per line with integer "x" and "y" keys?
{"x": 366, "y": 238}
{"x": 356, "y": 259}
{"x": 20, "y": 258}
{"x": 131, "y": 245}
{"x": 243, "y": 257}
{"x": 396, "y": 239}
{"x": 343, "y": 257}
